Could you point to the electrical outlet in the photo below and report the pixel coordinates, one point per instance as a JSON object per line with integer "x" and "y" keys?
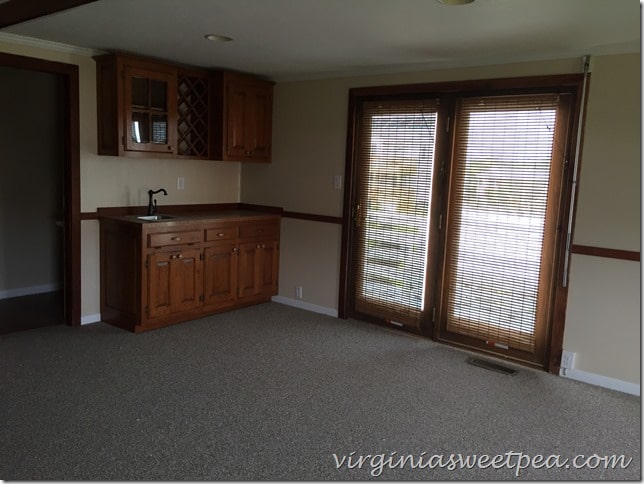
{"x": 337, "y": 182}
{"x": 298, "y": 292}
{"x": 181, "y": 183}
{"x": 567, "y": 359}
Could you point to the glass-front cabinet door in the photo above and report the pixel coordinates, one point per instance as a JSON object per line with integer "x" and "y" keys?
{"x": 150, "y": 110}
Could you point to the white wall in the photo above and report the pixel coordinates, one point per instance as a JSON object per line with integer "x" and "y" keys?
{"x": 603, "y": 320}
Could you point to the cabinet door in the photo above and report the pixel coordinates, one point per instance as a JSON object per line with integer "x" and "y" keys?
{"x": 150, "y": 110}
{"x": 259, "y": 123}
{"x": 258, "y": 269}
{"x": 159, "y": 284}
{"x": 187, "y": 278}
{"x": 270, "y": 268}
{"x": 174, "y": 282}
{"x": 237, "y": 100}
{"x": 250, "y": 265}
{"x": 249, "y": 112}
{"x": 220, "y": 275}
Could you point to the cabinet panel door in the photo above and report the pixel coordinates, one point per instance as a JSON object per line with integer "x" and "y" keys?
{"x": 259, "y": 130}
{"x": 236, "y": 120}
{"x": 174, "y": 282}
{"x": 220, "y": 275}
{"x": 159, "y": 277}
{"x": 249, "y": 270}
{"x": 149, "y": 110}
{"x": 270, "y": 268}
{"x": 186, "y": 279}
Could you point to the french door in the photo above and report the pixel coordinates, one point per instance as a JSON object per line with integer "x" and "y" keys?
{"x": 395, "y": 166}
{"x": 456, "y": 206}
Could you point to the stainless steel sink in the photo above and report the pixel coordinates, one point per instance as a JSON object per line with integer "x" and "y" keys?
{"x": 154, "y": 218}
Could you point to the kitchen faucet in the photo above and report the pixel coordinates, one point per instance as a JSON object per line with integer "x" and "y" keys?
{"x": 152, "y": 205}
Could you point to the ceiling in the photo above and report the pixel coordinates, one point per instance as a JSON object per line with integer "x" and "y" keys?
{"x": 306, "y": 39}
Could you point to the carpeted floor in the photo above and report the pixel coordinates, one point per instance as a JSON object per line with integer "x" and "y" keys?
{"x": 272, "y": 392}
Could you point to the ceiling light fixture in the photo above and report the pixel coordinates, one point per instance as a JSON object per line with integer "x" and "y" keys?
{"x": 455, "y": 2}
{"x": 218, "y": 38}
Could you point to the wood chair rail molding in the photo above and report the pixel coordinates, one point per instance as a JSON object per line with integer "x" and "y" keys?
{"x": 607, "y": 253}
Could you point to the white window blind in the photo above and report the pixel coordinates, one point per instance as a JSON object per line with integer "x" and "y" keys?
{"x": 497, "y": 215}
{"x": 394, "y": 168}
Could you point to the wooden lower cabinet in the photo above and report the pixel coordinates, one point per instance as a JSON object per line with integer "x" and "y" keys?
{"x": 176, "y": 271}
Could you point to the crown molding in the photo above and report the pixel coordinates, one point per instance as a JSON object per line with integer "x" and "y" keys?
{"x": 47, "y": 44}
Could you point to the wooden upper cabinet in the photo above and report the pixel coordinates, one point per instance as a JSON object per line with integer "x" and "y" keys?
{"x": 243, "y": 106}
{"x": 137, "y": 107}
{"x": 153, "y": 109}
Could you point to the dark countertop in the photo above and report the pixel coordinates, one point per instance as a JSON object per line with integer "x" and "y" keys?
{"x": 192, "y": 217}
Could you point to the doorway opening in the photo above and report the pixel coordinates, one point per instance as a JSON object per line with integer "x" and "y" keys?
{"x": 40, "y": 191}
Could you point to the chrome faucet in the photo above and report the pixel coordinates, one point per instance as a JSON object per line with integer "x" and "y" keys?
{"x": 152, "y": 204}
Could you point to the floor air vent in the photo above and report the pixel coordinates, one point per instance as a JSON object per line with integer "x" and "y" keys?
{"x": 490, "y": 365}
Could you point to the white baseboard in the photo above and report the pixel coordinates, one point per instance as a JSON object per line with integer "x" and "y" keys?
{"x": 602, "y": 381}
{"x": 91, "y": 318}
{"x": 296, "y": 303}
{"x": 28, "y": 291}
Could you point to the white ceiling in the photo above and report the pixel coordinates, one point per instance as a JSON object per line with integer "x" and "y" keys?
{"x": 305, "y": 39}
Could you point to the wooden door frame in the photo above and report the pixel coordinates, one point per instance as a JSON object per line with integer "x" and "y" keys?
{"x": 68, "y": 74}
{"x": 564, "y": 82}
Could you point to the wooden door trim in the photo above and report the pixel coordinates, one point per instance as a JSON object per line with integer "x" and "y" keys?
{"x": 565, "y": 83}
{"x": 68, "y": 73}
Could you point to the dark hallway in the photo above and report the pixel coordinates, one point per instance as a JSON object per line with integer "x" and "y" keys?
{"x": 31, "y": 200}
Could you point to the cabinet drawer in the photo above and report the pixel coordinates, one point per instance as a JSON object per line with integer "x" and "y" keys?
{"x": 223, "y": 232}
{"x": 174, "y": 238}
{"x": 266, "y": 230}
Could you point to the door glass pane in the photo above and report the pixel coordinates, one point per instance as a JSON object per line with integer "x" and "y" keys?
{"x": 159, "y": 95}
{"x": 140, "y": 127}
{"x": 159, "y": 129}
{"x": 395, "y": 167}
{"x": 140, "y": 92}
{"x": 499, "y": 201}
